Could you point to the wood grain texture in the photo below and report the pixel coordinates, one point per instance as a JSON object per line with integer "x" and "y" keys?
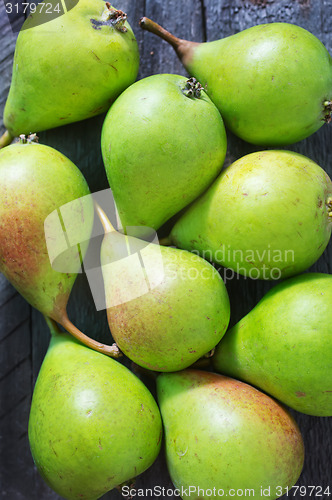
{"x": 23, "y": 334}
{"x": 15, "y": 341}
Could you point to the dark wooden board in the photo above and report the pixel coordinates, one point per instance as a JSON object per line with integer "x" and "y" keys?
{"x": 23, "y": 334}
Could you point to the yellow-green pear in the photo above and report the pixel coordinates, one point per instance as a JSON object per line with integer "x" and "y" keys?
{"x": 223, "y": 438}
{"x": 166, "y": 308}
{"x": 272, "y": 83}
{"x": 69, "y": 67}
{"x": 267, "y": 216}
{"x": 46, "y": 218}
{"x": 93, "y": 424}
{"x": 284, "y": 345}
{"x": 163, "y": 143}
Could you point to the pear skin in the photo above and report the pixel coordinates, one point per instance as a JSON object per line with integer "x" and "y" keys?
{"x": 164, "y": 141}
{"x": 166, "y": 308}
{"x": 284, "y": 347}
{"x": 93, "y": 424}
{"x": 70, "y": 68}
{"x": 267, "y": 216}
{"x": 263, "y": 80}
{"x": 224, "y": 435}
{"x": 36, "y": 180}
{"x": 42, "y": 189}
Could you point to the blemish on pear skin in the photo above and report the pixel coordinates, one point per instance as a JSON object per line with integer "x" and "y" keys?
{"x": 115, "y": 69}
{"x": 15, "y": 253}
{"x": 95, "y": 55}
{"x": 97, "y": 110}
{"x": 55, "y": 453}
{"x": 300, "y": 394}
{"x": 95, "y": 24}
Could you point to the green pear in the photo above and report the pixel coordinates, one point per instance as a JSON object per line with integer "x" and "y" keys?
{"x": 166, "y": 308}
{"x": 162, "y": 140}
{"x": 284, "y": 344}
{"x": 223, "y": 438}
{"x": 42, "y": 191}
{"x": 93, "y": 424}
{"x": 272, "y": 83}
{"x": 69, "y": 68}
{"x": 267, "y": 216}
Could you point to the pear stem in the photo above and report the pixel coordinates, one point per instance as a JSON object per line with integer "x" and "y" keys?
{"x": 5, "y": 139}
{"x": 149, "y": 25}
{"x": 108, "y": 228}
{"x": 110, "y": 350}
{"x": 117, "y": 17}
{"x": 183, "y": 48}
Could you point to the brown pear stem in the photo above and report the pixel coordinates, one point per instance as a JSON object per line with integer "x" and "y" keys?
{"x": 110, "y": 350}
{"x": 117, "y": 17}
{"x": 149, "y": 25}
{"x": 5, "y": 139}
{"x": 183, "y": 48}
{"x": 107, "y": 226}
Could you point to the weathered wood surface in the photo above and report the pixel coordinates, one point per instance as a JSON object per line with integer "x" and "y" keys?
{"x": 23, "y": 334}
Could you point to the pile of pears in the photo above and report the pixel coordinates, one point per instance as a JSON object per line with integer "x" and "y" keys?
{"x": 219, "y": 399}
